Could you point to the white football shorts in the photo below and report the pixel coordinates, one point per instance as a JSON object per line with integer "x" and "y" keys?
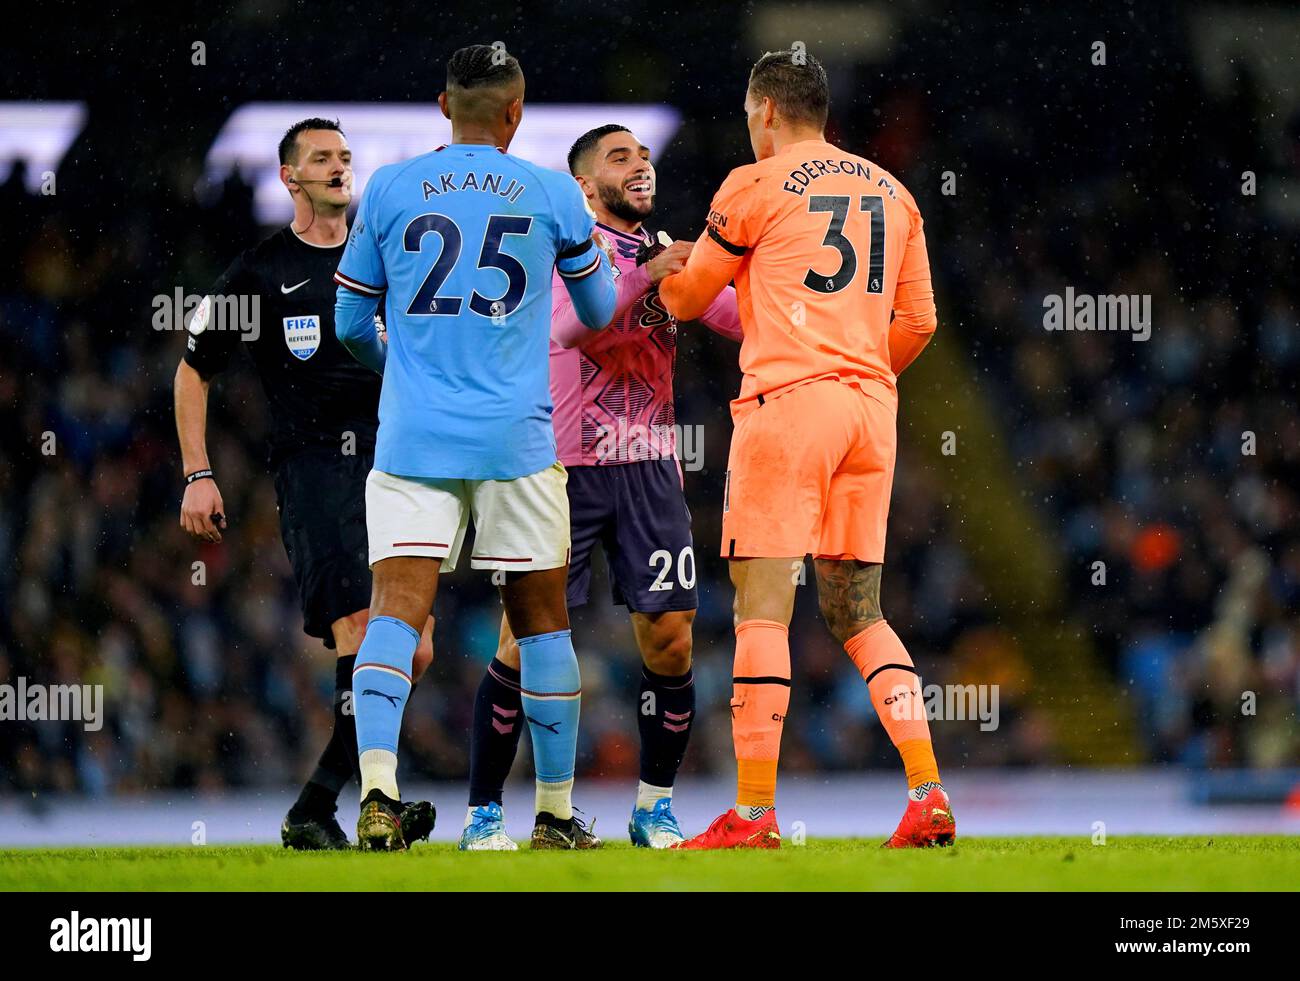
{"x": 519, "y": 525}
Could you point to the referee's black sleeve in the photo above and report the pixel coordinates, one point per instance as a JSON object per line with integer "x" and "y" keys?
{"x": 210, "y": 336}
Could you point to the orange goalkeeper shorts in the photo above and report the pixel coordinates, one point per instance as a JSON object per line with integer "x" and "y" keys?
{"x": 810, "y": 471}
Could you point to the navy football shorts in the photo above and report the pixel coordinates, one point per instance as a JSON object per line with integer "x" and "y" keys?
{"x": 637, "y": 512}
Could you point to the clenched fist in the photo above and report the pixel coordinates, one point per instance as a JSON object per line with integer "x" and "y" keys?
{"x": 670, "y": 260}
{"x": 202, "y": 512}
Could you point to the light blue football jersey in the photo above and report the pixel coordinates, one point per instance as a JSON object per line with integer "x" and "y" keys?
{"x": 463, "y": 241}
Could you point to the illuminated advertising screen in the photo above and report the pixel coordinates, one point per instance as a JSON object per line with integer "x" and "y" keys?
{"x": 38, "y": 134}
{"x": 381, "y": 133}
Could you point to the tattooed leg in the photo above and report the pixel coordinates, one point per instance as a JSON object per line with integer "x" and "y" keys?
{"x": 848, "y": 592}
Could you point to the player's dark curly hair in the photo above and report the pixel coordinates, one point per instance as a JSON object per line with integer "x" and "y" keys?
{"x": 481, "y": 66}
{"x": 796, "y": 82}
{"x": 585, "y": 143}
{"x": 289, "y": 142}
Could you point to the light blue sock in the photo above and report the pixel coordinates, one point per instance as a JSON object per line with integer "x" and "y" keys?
{"x": 552, "y": 692}
{"x": 381, "y": 681}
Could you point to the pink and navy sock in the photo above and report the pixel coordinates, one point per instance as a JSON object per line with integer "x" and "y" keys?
{"x": 494, "y": 736}
{"x": 665, "y": 711}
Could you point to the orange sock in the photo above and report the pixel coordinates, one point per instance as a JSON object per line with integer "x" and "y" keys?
{"x": 896, "y": 693}
{"x": 759, "y": 701}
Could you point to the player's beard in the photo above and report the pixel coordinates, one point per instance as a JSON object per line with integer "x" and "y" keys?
{"x": 616, "y": 202}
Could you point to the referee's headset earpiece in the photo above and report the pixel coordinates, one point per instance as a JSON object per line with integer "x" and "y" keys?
{"x": 332, "y": 182}
{"x": 297, "y": 183}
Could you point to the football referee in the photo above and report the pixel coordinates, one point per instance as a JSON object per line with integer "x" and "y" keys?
{"x": 276, "y": 301}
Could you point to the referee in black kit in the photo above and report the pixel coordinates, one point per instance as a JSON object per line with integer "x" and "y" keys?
{"x": 276, "y": 301}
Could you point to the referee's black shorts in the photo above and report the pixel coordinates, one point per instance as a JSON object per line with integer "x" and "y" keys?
{"x": 321, "y": 495}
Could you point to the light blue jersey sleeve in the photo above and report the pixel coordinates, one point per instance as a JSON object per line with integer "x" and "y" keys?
{"x": 354, "y": 324}
{"x": 362, "y": 284}
{"x": 583, "y": 266}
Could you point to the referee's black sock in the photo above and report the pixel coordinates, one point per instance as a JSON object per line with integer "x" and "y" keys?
{"x": 340, "y": 760}
{"x": 494, "y": 734}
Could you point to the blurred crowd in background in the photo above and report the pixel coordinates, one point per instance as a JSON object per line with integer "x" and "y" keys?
{"x": 1176, "y": 461}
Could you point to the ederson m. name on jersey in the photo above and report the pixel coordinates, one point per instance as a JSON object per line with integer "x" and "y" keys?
{"x": 463, "y": 240}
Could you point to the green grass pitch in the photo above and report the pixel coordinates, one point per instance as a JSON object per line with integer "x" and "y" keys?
{"x": 1136, "y": 863}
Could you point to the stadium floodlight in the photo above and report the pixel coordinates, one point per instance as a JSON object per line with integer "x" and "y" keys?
{"x": 39, "y": 134}
{"x": 381, "y": 133}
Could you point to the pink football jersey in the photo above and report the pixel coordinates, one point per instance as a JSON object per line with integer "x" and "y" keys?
{"x": 613, "y": 389}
